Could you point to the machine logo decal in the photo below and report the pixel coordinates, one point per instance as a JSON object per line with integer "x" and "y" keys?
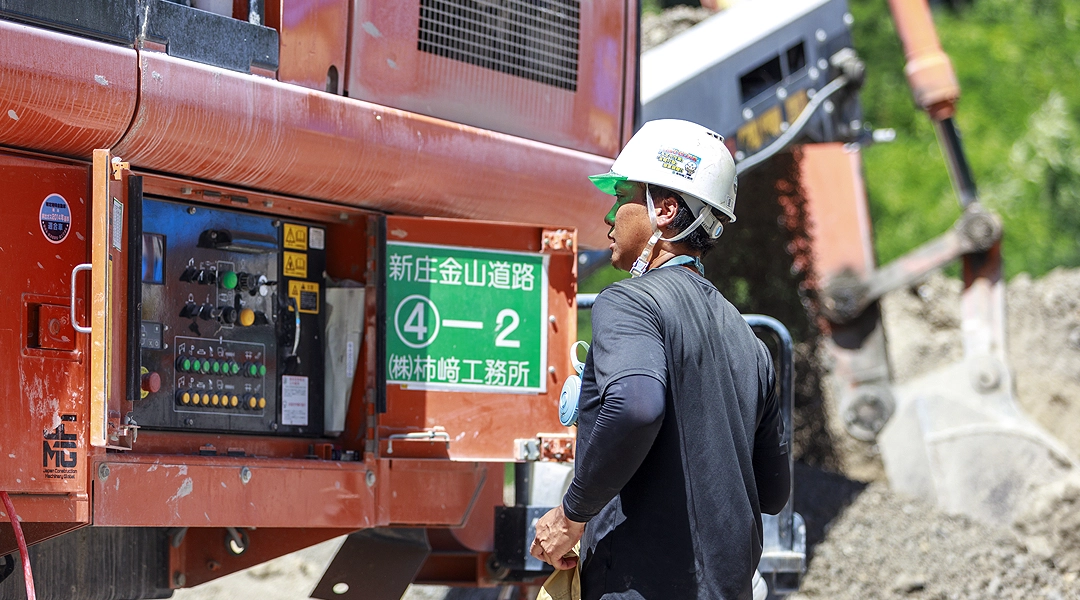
{"x": 60, "y": 451}
{"x": 678, "y": 162}
{"x": 55, "y": 217}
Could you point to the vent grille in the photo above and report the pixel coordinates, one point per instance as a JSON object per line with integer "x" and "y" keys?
{"x": 534, "y": 39}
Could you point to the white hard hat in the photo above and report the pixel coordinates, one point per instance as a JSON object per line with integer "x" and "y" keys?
{"x": 681, "y": 156}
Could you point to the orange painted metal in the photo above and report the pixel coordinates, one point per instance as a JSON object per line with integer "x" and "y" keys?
{"x": 929, "y": 70}
{"x": 44, "y": 443}
{"x": 63, "y": 94}
{"x": 313, "y": 42}
{"x": 386, "y": 67}
{"x": 839, "y": 216}
{"x": 484, "y": 426}
{"x": 43, "y": 517}
{"x": 429, "y": 492}
{"x": 202, "y": 555}
{"x": 210, "y": 491}
{"x": 203, "y": 122}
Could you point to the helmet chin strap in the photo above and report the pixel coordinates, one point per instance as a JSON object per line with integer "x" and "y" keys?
{"x": 642, "y": 263}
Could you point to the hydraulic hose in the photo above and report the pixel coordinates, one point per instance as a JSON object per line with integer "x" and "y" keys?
{"x": 24, "y": 554}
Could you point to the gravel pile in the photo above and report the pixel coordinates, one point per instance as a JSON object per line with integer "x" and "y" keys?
{"x": 885, "y": 546}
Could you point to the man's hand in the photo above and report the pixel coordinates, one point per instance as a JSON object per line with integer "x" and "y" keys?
{"x": 555, "y": 536}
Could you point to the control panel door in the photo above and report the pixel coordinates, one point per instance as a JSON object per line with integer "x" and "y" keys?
{"x": 479, "y": 320}
{"x": 111, "y": 424}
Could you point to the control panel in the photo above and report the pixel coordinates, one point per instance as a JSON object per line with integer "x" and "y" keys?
{"x": 232, "y": 321}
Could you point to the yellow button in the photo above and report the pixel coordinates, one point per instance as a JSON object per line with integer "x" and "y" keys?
{"x": 214, "y": 399}
{"x": 234, "y": 401}
{"x": 262, "y": 402}
{"x": 247, "y": 317}
{"x": 205, "y": 399}
{"x": 186, "y": 398}
{"x": 252, "y": 402}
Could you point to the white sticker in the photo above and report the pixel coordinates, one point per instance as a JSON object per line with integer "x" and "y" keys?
{"x": 350, "y": 359}
{"x": 317, "y": 238}
{"x": 117, "y": 224}
{"x": 294, "y": 400}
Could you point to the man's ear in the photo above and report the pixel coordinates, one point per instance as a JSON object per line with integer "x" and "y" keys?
{"x": 666, "y": 210}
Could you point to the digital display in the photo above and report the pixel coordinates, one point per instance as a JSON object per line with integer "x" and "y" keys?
{"x": 153, "y": 258}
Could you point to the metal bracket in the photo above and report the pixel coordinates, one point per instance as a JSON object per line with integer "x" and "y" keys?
{"x": 435, "y": 433}
{"x": 119, "y": 166}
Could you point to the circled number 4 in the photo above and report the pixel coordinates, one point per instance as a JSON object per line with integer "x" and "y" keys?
{"x": 500, "y": 340}
{"x": 415, "y": 322}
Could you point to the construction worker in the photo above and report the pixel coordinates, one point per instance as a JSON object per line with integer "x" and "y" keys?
{"x": 679, "y": 443}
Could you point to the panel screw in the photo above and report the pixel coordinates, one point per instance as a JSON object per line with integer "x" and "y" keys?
{"x": 179, "y": 579}
{"x": 370, "y": 478}
{"x": 191, "y": 210}
{"x": 552, "y": 319}
{"x": 245, "y": 475}
{"x": 103, "y": 471}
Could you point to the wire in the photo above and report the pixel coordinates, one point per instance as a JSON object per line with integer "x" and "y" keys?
{"x": 804, "y": 117}
{"x": 24, "y": 554}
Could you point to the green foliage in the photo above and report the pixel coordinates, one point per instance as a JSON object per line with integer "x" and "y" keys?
{"x": 1018, "y": 62}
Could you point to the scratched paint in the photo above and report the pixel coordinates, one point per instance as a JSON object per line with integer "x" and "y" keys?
{"x": 14, "y": 115}
{"x": 185, "y": 489}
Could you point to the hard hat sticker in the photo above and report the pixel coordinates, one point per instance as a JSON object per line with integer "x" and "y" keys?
{"x": 55, "y": 217}
{"x": 678, "y": 162}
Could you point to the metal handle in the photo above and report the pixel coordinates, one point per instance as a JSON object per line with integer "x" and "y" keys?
{"x": 74, "y": 272}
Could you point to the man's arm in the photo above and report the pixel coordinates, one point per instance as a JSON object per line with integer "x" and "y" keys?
{"x": 628, "y": 421}
{"x": 772, "y": 473}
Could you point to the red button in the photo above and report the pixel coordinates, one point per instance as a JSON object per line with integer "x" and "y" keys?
{"x": 151, "y": 382}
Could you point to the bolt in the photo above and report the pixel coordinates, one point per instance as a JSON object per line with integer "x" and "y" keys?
{"x": 103, "y": 471}
{"x": 191, "y": 210}
{"x": 245, "y": 475}
{"x": 552, "y": 319}
{"x": 370, "y": 478}
{"x": 179, "y": 579}
{"x": 551, "y": 370}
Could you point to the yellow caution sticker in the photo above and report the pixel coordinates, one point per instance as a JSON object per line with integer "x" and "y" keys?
{"x": 306, "y": 294}
{"x": 295, "y": 265}
{"x": 296, "y": 237}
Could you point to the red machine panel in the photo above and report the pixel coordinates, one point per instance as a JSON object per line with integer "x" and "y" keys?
{"x": 550, "y": 71}
{"x": 314, "y": 36}
{"x": 44, "y": 214}
{"x": 62, "y": 93}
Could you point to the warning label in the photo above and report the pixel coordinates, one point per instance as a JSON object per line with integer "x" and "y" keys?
{"x": 296, "y": 237}
{"x": 294, "y": 400}
{"x": 306, "y": 294}
{"x": 295, "y": 264}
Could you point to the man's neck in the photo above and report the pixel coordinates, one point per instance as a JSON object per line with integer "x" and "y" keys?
{"x": 666, "y": 251}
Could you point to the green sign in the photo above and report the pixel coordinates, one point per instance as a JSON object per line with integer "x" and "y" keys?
{"x": 465, "y": 319}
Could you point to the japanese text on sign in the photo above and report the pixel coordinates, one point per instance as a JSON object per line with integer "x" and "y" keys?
{"x": 463, "y": 318}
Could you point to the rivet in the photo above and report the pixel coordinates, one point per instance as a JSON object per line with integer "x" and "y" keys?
{"x": 103, "y": 471}
{"x": 370, "y": 478}
{"x": 245, "y": 475}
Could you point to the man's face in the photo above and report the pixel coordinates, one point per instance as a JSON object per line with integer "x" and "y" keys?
{"x": 630, "y": 226}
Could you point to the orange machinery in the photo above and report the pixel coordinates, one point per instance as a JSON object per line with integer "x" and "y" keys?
{"x": 192, "y": 190}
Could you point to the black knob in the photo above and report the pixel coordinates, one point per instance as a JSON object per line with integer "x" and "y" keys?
{"x": 207, "y": 312}
{"x": 190, "y": 310}
{"x": 228, "y": 315}
{"x": 188, "y": 274}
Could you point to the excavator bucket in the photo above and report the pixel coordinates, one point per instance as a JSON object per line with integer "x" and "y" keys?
{"x": 959, "y": 440}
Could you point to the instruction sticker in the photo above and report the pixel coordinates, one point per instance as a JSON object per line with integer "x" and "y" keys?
{"x": 296, "y": 237}
{"x": 55, "y": 217}
{"x": 294, "y": 400}
{"x": 306, "y": 294}
{"x": 317, "y": 238}
{"x": 295, "y": 265}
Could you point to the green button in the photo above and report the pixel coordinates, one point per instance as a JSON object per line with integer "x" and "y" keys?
{"x": 215, "y": 366}
{"x": 235, "y": 368}
{"x": 253, "y": 370}
{"x": 262, "y": 370}
{"x": 196, "y": 365}
{"x": 229, "y": 280}
{"x": 185, "y": 365}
